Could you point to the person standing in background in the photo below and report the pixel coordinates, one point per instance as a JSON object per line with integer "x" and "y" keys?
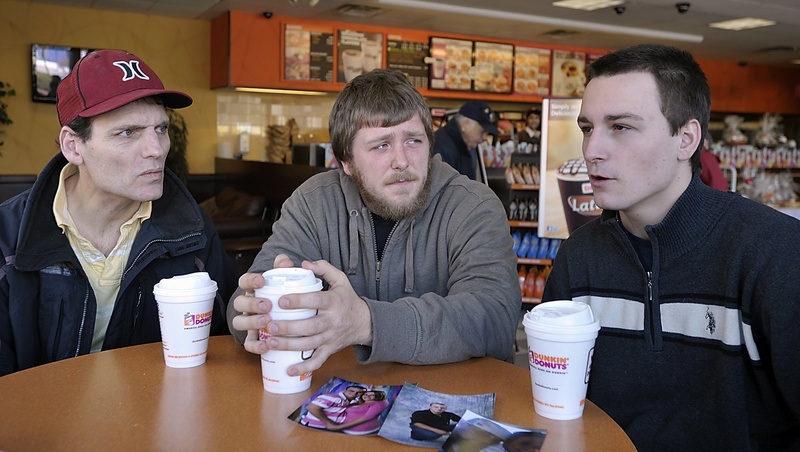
{"x": 696, "y": 289}
{"x": 457, "y": 142}
{"x": 532, "y": 133}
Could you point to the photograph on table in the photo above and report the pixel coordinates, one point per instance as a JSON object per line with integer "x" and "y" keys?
{"x": 424, "y": 418}
{"x": 347, "y": 407}
{"x": 478, "y": 433}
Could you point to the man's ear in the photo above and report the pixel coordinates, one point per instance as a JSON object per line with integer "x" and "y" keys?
{"x": 691, "y": 135}
{"x": 71, "y": 145}
{"x": 346, "y": 168}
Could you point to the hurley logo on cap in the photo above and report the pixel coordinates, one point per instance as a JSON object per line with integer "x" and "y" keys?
{"x": 130, "y": 70}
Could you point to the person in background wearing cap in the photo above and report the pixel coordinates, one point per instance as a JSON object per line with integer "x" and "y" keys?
{"x": 457, "y": 142}
{"x": 103, "y": 223}
{"x": 418, "y": 259}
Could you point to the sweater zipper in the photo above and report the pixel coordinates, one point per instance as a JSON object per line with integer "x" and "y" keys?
{"x": 650, "y": 303}
{"x": 379, "y": 259}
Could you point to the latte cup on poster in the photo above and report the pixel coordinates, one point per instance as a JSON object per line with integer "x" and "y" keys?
{"x": 353, "y": 63}
{"x": 577, "y": 196}
{"x": 561, "y": 338}
{"x": 274, "y": 363}
{"x": 185, "y": 308}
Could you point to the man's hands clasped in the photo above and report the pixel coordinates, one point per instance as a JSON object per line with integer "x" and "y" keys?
{"x": 342, "y": 319}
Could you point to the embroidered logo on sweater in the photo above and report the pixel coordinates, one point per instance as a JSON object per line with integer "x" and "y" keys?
{"x": 712, "y": 323}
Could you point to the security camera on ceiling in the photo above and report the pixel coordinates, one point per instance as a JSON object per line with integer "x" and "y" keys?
{"x": 683, "y": 7}
{"x": 619, "y": 9}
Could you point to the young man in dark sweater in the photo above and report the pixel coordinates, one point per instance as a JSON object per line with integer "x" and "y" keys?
{"x": 696, "y": 290}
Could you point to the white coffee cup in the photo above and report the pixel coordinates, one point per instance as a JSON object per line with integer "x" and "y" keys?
{"x": 561, "y": 338}
{"x": 185, "y": 309}
{"x": 372, "y": 54}
{"x": 274, "y": 363}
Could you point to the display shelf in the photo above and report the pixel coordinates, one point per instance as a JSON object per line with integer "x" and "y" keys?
{"x": 529, "y": 261}
{"x": 524, "y": 186}
{"x": 523, "y": 224}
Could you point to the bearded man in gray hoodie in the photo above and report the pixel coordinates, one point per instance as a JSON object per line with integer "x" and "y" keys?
{"x": 418, "y": 259}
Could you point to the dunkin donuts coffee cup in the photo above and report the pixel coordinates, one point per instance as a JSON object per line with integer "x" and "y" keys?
{"x": 561, "y": 336}
{"x": 577, "y": 197}
{"x": 274, "y": 363}
{"x": 185, "y": 308}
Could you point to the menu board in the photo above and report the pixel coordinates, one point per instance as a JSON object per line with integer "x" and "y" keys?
{"x": 492, "y": 71}
{"x": 569, "y": 73}
{"x": 308, "y": 54}
{"x": 452, "y": 61}
{"x": 408, "y": 58}
{"x": 532, "y": 71}
{"x": 359, "y": 52}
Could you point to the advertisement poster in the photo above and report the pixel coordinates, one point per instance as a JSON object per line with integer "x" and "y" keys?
{"x": 565, "y": 195}
{"x": 532, "y": 71}
{"x": 408, "y": 58}
{"x": 569, "y": 73}
{"x": 452, "y": 61}
{"x": 358, "y": 53}
{"x": 493, "y": 67}
{"x": 308, "y": 54}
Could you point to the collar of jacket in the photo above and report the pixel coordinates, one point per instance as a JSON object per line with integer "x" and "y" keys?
{"x": 41, "y": 242}
{"x": 453, "y": 130}
{"x": 687, "y": 223}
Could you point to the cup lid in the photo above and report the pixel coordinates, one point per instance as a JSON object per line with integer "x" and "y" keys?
{"x": 561, "y": 313}
{"x": 289, "y": 277}
{"x": 197, "y": 280}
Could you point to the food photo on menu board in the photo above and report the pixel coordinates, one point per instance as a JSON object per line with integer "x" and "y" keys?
{"x": 308, "y": 53}
{"x": 531, "y": 71}
{"x": 493, "y": 64}
{"x": 452, "y": 64}
{"x": 297, "y": 54}
{"x": 569, "y": 73}
{"x": 359, "y": 52}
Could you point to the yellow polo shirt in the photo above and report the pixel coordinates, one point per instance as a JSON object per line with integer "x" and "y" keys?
{"x": 104, "y": 272}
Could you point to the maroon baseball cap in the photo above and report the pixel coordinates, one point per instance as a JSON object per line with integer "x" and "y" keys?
{"x": 105, "y": 80}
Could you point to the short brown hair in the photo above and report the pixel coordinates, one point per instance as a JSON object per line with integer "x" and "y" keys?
{"x": 380, "y": 98}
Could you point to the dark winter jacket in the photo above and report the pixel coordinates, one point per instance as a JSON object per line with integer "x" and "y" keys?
{"x": 48, "y": 308}
{"x": 703, "y": 352}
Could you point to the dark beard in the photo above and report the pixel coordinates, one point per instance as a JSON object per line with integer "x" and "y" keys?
{"x": 392, "y": 212}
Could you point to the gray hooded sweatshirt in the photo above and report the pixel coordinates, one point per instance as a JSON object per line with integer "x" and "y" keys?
{"x": 446, "y": 288}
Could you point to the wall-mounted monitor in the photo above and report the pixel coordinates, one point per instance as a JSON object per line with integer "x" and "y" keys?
{"x": 49, "y": 65}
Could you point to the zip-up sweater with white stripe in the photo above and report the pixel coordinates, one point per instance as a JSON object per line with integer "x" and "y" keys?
{"x": 446, "y": 287}
{"x": 703, "y": 352}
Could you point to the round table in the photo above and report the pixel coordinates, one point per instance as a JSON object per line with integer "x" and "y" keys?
{"x": 127, "y": 399}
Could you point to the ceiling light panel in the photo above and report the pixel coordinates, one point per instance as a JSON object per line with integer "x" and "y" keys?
{"x": 587, "y": 5}
{"x": 742, "y": 24}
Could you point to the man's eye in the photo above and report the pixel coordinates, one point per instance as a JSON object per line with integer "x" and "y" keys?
{"x": 126, "y": 133}
{"x": 585, "y": 129}
{"x": 162, "y": 129}
{"x": 620, "y": 127}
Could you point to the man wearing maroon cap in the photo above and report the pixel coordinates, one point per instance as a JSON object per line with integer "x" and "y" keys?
{"x": 103, "y": 223}
{"x": 458, "y": 140}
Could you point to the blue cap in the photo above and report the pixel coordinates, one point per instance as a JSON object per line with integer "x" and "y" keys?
{"x": 479, "y": 111}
